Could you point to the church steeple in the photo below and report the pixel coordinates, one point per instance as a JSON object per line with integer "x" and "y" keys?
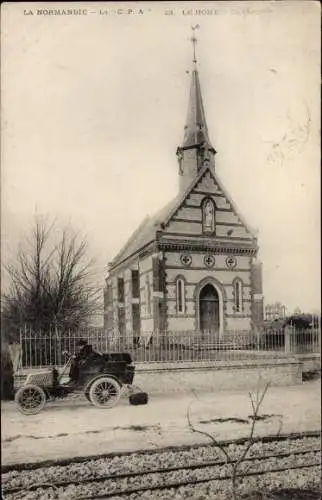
{"x": 196, "y": 148}
{"x": 196, "y": 130}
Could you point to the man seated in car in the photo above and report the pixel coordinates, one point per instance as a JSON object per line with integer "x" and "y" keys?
{"x": 86, "y": 360}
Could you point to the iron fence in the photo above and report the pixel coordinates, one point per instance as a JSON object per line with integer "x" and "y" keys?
{"x": 40, "y": 349}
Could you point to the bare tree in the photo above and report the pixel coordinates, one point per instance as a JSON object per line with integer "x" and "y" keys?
{"x": 256, "y": 402}
{"x": 52, "y": 281}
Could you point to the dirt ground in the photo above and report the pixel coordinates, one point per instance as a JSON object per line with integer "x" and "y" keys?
{"x": 75, "y": 428}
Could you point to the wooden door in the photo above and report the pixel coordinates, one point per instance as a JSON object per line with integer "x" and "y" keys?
{"x": 209, "y": 310}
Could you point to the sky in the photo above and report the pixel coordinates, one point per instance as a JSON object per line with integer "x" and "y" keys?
{"x": 94, "y": 105}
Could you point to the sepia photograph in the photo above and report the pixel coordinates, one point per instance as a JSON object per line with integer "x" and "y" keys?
{"x": 161, "y": 250}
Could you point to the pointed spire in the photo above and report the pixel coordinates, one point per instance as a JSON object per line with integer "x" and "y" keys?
{"x": 196, "y": 150}
{"x": 196, "y": 130}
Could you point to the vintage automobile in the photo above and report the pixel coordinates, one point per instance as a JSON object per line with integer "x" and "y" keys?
{"x": 100, "y": 379}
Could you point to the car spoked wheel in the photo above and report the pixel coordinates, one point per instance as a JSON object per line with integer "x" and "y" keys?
{"x": 105, "y": 392}
{"x": 30, "y": 399}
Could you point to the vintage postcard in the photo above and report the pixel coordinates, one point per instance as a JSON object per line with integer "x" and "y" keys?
{"x": 160, "y": 250}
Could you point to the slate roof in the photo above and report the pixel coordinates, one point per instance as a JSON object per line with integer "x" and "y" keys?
{"x": 145, "y": 233}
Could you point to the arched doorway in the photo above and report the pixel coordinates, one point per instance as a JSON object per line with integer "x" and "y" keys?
{"x": 209, "y": 310}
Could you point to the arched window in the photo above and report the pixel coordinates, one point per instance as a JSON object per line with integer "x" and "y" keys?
{"x": 180, "y": 295}
{"x": 208, "y": 215}
{"x": 238, "y": 295}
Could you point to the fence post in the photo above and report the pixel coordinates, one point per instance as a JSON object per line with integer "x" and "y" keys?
{"x": 287, "y": 337}
{"x": 21, "y": 346}
{"x": 58, "y": 337}
{"x": 30, "y": 352}
{"x": 258, "y": 337}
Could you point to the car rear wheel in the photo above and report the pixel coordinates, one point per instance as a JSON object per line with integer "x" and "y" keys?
{"x": 104, "y": 392}
{"x": 30, "y": 399}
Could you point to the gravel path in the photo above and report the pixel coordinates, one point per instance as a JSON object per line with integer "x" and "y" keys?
{"x": 97, "y": 469}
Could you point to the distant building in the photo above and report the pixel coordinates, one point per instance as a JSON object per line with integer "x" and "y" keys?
{"x": 275, "y": 311}
{"x": 192, "y": 266}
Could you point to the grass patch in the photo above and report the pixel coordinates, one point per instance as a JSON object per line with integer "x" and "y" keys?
{"x": 138, "y": 428}
{"x": 237, "y": 420}
{"x": 264, "y": 417}
{"x": 12, "y": 438}
{"x": 223, "y": 420}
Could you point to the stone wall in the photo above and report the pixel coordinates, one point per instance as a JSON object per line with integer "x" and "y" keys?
{"x": 165, "y": 378}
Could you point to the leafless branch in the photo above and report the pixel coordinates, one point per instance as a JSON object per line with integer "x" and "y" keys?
{"x": 212, "y": 438}
{"x": 51, "y": 280}
{"x": 260, "y": 395}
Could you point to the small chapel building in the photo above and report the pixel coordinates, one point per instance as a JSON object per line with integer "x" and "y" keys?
{"x": 192, "y": 266}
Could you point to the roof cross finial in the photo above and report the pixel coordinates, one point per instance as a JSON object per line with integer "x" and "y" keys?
{"x": 194, "y": 40}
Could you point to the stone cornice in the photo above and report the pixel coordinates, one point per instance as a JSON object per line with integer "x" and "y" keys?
{"x": 216, "y": 247}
